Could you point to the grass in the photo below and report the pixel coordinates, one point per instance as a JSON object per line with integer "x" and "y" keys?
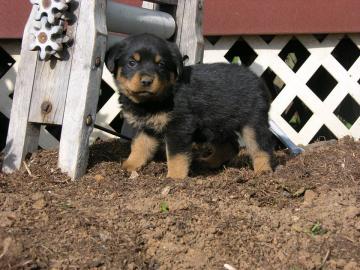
{"x": 164, "y": 207}
{"x": 317, "y": 229}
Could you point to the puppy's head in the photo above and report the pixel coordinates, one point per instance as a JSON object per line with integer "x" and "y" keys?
{"x": 144, "y": 66}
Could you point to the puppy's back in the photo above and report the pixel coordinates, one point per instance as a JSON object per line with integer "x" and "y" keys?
{"x": 226, "y": 87}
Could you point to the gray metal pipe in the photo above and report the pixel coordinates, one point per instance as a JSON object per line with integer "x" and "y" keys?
{"x": 113, "y": 39}
{"x": 126, "y": 19}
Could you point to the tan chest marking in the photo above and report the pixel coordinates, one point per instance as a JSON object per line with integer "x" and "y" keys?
{"x": 158, "y": 122}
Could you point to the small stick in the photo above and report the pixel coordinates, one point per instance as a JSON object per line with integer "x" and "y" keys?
{"x": 229, "y": 267}
{"x": 6, "y": 244}
{"x": 324, "y": 260}
{"x": 27, "y": 169}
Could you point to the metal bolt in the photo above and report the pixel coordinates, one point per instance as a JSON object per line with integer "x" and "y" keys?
{"x": 46, "y": 107}
{"x": 42, "y": 37}
{"x": 97, "y": 61}
{"x": 89, "y": 120}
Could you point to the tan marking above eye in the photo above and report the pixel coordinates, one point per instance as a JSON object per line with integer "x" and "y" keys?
{"x": 136, "y": 56}
{"x": 158, "y": 58}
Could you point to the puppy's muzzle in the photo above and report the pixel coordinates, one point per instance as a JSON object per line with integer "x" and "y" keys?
{"x": 146, "y": 81}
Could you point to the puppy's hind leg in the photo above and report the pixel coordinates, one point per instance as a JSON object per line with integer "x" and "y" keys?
{"x": 143, "y": 148}
{"x": 221, "y": 153}
{"x": 258, "y": 144}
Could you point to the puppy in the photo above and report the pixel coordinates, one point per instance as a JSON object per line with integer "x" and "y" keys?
{"x": 212, "y": 103}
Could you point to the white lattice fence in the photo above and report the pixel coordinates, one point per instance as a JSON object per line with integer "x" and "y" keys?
{"x": 296, "y": 83}
{"x": 268, "y": 55}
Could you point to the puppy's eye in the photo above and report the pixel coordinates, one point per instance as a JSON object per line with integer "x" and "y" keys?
{"x": 161, "y": 64}
{"x": 132, "y": 63}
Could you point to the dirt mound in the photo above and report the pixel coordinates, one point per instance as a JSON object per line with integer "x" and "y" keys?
{"x": 305, "y": 215}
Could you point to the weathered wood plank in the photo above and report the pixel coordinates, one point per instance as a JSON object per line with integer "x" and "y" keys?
{"x": 22, "y": 136}
{"x": 189, "y": 36}
{"x": 84, "y": 85}
{"x": 51, "y": 83}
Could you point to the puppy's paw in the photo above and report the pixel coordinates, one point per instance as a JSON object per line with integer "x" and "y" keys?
{"x": 177, "y": 175}
{"x": 262, "y": 168}
{"x": 129, "y": 166}
{"x": 262, "y": 164}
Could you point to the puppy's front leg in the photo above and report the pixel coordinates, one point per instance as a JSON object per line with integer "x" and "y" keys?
{"x": 178, "y": 154}
{"x": 143, "y": 148}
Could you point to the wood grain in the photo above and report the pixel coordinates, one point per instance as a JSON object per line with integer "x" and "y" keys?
{"x": 83, "y": 89}
{"x": 22, "y": 136}
{"x": 51, "y": 83}
{"x": 189, "y": 36}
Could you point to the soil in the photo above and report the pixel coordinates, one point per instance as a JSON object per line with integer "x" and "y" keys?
{"x": 304, "y": 215}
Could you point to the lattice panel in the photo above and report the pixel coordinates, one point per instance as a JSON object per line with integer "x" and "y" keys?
{"x": 295, "y": 79}
{"x": 324, "y": 59}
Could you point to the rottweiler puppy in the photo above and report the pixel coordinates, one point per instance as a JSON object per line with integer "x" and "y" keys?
{"x": 165, "y": 101}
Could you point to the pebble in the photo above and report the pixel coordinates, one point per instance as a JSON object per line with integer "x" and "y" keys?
{"x": 357, "y": 225}
{"x": 37, "y": 196}
{"x": 134, "y": 175}
{"x": 7, "y": 219}
{"x": 104, "y": 236}
{"x": 165, "y": 191}
{"x": 352, "y": 212}
{"x": 340, "y": 263}
{"x": 39, "y": 204}
{"x": 309, "y": 197}
{"x": 351, "y": 266}
{"x": 98, "y": 178}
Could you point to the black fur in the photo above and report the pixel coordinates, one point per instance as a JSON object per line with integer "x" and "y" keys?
{"x": 207, "y": 103}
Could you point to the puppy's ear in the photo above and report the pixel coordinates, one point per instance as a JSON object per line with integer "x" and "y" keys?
{"x": 114, "y": 54}
{"x": 176, "y": 57}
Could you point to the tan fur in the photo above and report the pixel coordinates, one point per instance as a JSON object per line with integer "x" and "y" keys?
{"x": 262, "y": 163}
{"x": 137, "y": 57}
{"x": 221, "y": 153}
{"x": 157, "y": 122}
{"x": 178, "y": 166}
{"x": 158, "y": 86}
{"x": 157, "y": 59}
{"x": 143, "y": 149}
{"x": 129, "y": 87}
{"x": 132, "y": 119}
{"x": 261, "y": 159}
{"x": 134, "y": 83}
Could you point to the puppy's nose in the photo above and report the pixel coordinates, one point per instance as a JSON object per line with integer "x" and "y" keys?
{"x": 146, "y": 81}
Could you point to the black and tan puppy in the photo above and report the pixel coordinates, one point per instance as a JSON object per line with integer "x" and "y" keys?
{"x": 212, "y": 103}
